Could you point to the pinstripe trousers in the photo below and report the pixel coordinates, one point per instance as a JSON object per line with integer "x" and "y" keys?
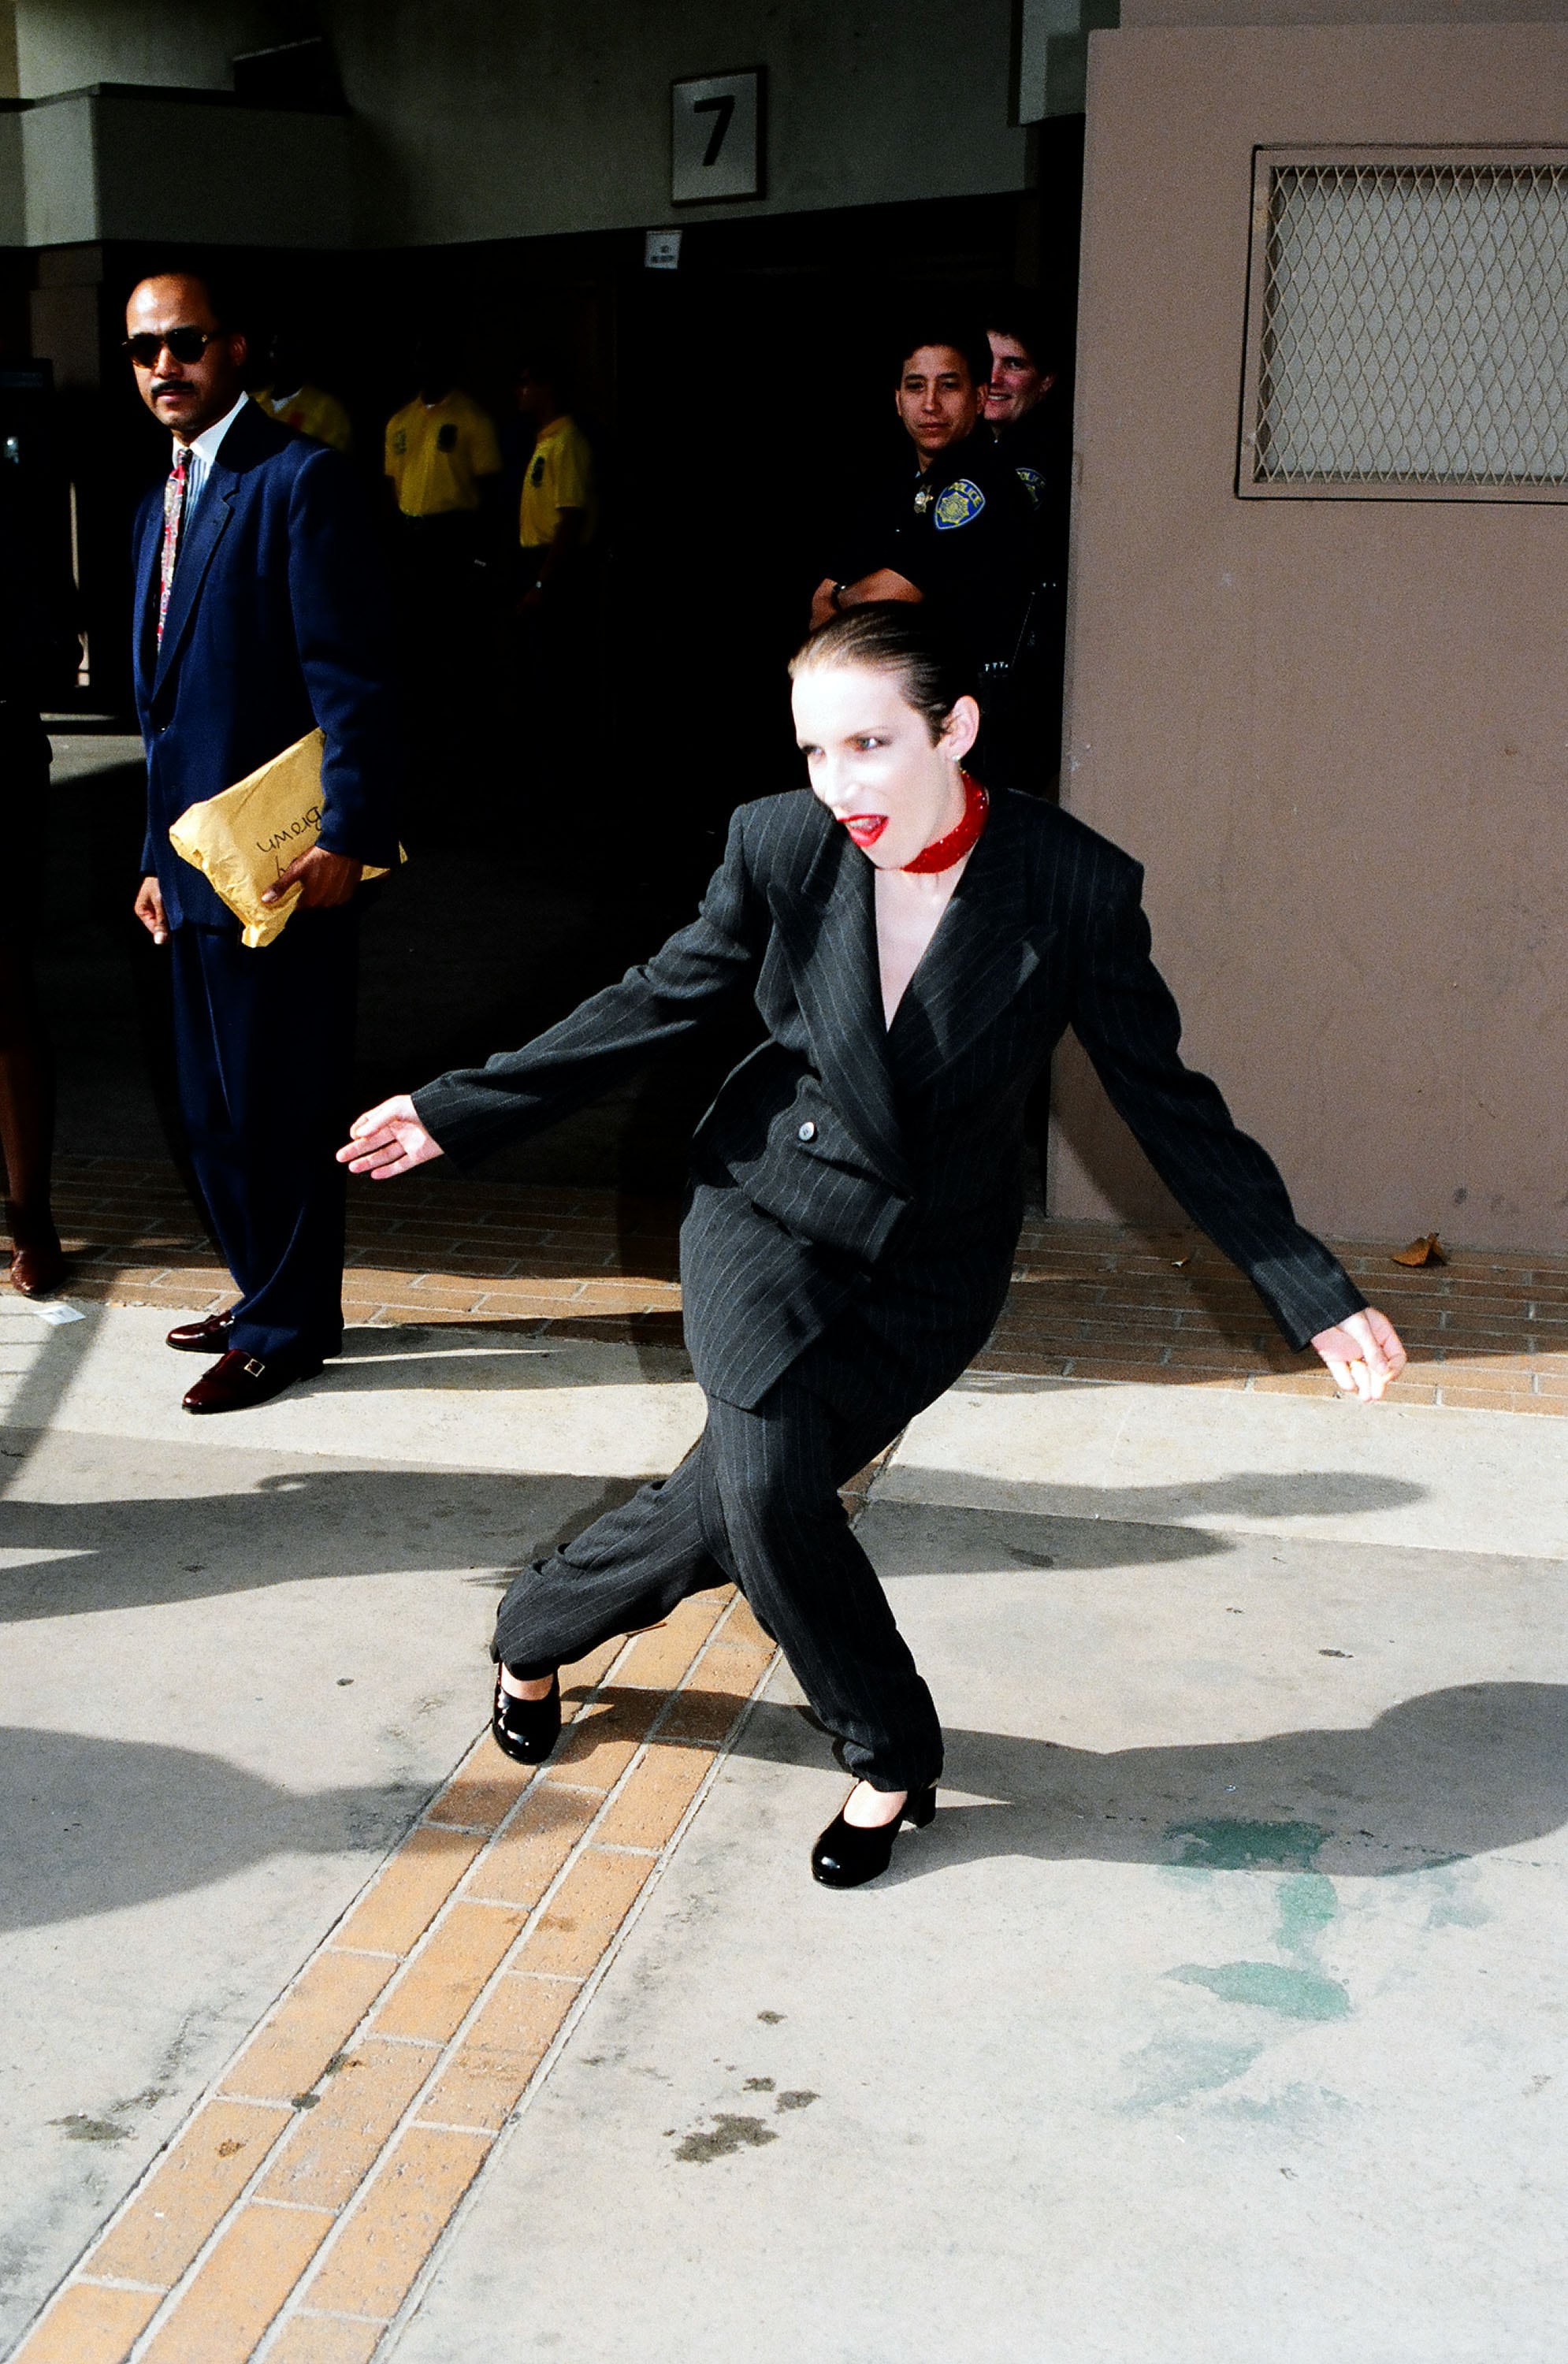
{"x": 757, "y": 1505}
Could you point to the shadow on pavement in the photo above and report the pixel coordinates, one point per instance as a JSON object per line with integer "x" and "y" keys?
{"x": 1434, "y": 1779}
{"x": 309, "y": 1523}
{"x": 286, "y": 1529}
{"x": 97, "y": 1825}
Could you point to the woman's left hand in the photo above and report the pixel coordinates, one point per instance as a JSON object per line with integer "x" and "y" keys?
{"x": 1364, "y": 1353}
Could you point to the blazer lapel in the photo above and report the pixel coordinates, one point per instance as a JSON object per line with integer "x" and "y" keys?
{"x": 982, "y": 953}
{"x": 827, "y": 928}
{"x": 201, "y": 538}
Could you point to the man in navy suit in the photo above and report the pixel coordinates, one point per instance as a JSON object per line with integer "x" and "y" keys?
{"x": 259, "y": 614}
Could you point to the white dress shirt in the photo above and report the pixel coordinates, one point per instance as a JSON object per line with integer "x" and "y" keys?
{"x": 203, "y": 449}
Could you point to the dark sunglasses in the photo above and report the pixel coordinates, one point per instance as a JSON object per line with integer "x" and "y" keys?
{"x": 186, "y": 345}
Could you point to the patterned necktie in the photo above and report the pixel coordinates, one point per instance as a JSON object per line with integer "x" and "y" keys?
{"x": 173, "y": 513}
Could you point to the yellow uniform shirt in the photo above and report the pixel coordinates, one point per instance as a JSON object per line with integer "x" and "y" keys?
{"x": 320, "y": 416}
{"x": 560, "y": 475}
{"x": 437, "y": 453}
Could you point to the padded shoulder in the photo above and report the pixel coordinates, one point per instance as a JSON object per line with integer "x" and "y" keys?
{"x": 785, "y": 833}
{"x": 1059, "y": 839}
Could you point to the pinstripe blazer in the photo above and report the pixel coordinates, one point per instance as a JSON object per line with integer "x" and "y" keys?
{"x": 843, "y": 1159}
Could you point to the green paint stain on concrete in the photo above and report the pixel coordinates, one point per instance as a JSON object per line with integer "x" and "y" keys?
{"x": 1291, "y": 1988}
{"x": 1226, "y": 1845}
{"x": 1307, "y": 1905}
{"x": 1174, "y": 2070}
{"x": 1452, "y": 1903}
{"x": 1297, "y": 1988}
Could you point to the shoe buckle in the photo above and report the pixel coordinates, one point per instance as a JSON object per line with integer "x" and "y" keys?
{"x": 253, "y": 1368}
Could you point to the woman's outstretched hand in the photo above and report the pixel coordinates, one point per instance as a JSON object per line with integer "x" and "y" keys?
{"x": 387, "y": 1141}
{"x": 1363, "y": 1352}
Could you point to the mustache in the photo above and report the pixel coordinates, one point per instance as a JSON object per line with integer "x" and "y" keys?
{"x": 169, "y": 386}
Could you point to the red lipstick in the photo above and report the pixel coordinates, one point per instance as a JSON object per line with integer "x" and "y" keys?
{"x": 865, "y": 828}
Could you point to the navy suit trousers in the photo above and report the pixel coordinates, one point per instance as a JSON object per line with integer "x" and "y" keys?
{"x": 263, "y": 1045}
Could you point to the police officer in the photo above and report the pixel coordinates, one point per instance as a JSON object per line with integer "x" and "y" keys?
{"x": 1021, "y": 420}
{"x": 955, "y": 527}
{"x": 1031, "y": 434}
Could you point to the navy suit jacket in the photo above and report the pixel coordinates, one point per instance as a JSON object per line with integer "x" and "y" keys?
{"x": 278, "y": 621}
{"x": 846, "y": 1163}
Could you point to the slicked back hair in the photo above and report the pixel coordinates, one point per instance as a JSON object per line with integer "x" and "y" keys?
{"x": 894, "y": 636}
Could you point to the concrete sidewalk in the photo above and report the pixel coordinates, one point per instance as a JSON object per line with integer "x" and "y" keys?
{"x": 1218, "y": 2018}
{"x": 242, "y": 1654}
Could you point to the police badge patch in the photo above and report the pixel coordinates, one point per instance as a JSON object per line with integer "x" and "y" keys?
{"x": 959, "y": 503}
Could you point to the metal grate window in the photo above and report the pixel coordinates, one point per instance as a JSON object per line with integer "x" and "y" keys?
{"x": 1408, "y": 333}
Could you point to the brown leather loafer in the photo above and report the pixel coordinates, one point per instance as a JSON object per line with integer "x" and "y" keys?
{"x": 37, "y": 1271}
{"x": 238, "y": 1382}
{"x": 201, "y": 1337}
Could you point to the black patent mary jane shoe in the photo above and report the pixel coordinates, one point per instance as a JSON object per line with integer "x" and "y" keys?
{"x": 526, "y": 1730}
{"x": 847, "y": 1856}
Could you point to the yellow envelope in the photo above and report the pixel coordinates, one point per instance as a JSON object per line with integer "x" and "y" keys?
{"x": 244, "y": 840}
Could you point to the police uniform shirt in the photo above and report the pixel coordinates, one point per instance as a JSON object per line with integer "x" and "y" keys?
{"x": 311, "y": 412}
{"x": 559, "y": 476}
{"x": 1033, "y": 449}
{"x": 1028, "y": 446}
{"x": 437, "y": 453}
{"x": 964, "y": 539}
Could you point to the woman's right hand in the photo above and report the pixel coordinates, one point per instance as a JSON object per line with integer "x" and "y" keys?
{"x": 388, "y": 1140}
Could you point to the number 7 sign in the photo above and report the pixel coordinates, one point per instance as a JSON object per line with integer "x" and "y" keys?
{"x": 716, "y": 137}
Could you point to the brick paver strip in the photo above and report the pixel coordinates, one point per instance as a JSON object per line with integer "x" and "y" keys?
{"x": 1486, "y": 1332}
{"x": 593, "y": 1900}
{"x": 448, "y": 1974}
{"x": 326, "y": 2339}
{"x": 396, "y": 1911}
{"x": 199, "y": 2178}
{"x": 240, "y": 2285}
{"x": 363, "y": 2105}
{"x": 504, "y": 2043}
{"x": 310, "y": 2027}
{"x": 406, "y": 2212}
{"x": 337, "y": 2143}
{"x": 87, "y": 2325}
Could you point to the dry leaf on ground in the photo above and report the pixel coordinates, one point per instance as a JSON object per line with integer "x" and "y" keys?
{"x": 1430, "y": 1250}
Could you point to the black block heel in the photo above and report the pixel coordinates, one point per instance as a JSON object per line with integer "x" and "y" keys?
{"x": 526, "y": 1730}
{"x": 847, "y": 1856}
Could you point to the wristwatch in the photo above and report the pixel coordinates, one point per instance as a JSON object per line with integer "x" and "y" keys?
{"x": 836, "y": 598}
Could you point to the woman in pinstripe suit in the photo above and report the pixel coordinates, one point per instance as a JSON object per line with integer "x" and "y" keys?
{"x": 915, "y": 951}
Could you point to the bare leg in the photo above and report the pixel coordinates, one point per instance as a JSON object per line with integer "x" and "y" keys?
{"x": 514, "y": 1687}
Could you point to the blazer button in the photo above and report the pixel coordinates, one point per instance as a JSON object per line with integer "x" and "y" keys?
{"x": 808, "y": 1133}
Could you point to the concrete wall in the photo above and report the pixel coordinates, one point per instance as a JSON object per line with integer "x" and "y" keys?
{"x": 490, "y": 121}
{"x": 505, "y": 118}
{"x": 244, "y": 176}
{"x": 1335, "y": 731}
{"x": 13, "y": 203}
{"x": 68, "y": 44}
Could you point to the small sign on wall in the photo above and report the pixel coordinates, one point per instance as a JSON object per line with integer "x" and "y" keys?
{"x": 716, "y": 137}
